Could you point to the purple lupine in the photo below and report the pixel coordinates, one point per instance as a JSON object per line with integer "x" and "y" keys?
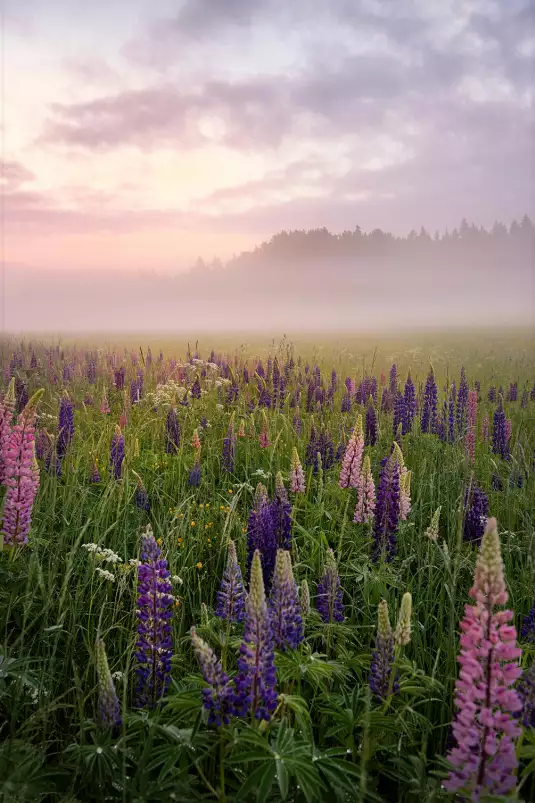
{"x": 117, "y": 453}
{"x": 371, "y": 424}
{"x": 21, "y": 477}
{"x": 194, "y": 477}
{"x": 500, "y": 445}
{"x": 281, "y": 510}
{"x": 297, "y": 425}
{"x": 141, "y": 496}
{"x": 409, "y": 407}
{"x": 196, "y": 389}
{"x": 154, "y": 647}
{"x": 7, "y": 409}
{"x": 476, "y": 510}
{"x": 462, "y": 404}
{"x": 399, "y": 410}
{"x": 33, "y": 361}
{"x": 528, "y": 627}
{"x": 312, "y": 447}
{"x": 172, "y": 432}
{"x": 524, "y": 400}
{"x": 256, "y": 680}
{"x": 393, "y": 382}
{"x": 329, "y": 594}
{"x": 119, "y": 378}
{"x": 429, "y": 407}
{"x": 231, "y": 596}
{"x": 283, "y": 604}
{"x": 512, "y": 393}
{"x": 21, "y": 394}
{"x": 346, "y": 403}
{"x": 261, "y": 534}
{"x": 109, "y": 709}
{"x": 218, "y": 697}
{"x": 380, "y": 680}
{"x": 229, "y": 448}
{"x": 42, "y": 443}
{"x": 65, "y": 426}
{"x": 135, "y": 391}
{"x": 94, "y": 474}
{"x": 325, "y": 447}
{"x": 526, "y": 691}
{"x": 491, "y": 395}
{"x": 387, "y": 510}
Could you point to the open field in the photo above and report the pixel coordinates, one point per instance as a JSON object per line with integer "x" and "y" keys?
{"x": 100, "y": 678}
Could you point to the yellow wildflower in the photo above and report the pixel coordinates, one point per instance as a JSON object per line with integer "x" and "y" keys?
{"x": 199, "y": 565}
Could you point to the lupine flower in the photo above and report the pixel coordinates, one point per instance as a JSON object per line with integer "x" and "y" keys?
{"x": 229, "y": 448}
{"x": 42, "y": 443}
{"x": 329, "y": 594}
{"x": 470, "y": 438}
{"x": 387, "y": 510}
{"x": 21, "y": 477}
{"x": 282, "y": 514}
{"x": 365, "y": 509}
{"x": 409, "y": 407}
{"x": 154, "y": 646}
{"x": 524, "y": 400}
{"x": 65, "y": 426}
{"x": 485, "y": 429}
{"x": 196, "y": 389}
{"x": 381, "y": 682}
{"x": 141, "y": 496}
{"x": 172, "y": 432}
{"x": 393, "y": 379}
{"x": 484, "y": 760}
{"x": 404, "y": 483}
{"x": 256, "y": 679}
{"x": 194, "y": 477}
{"x": 231, "y": 596}
{"x": 432, "y": 531}
{"x": 399, "y": 411}
{"x": 297, "y": 476}
{"x": 346, "y": 403}
{"x": 311, "y": 450}
{"x": 241, "y": 429}
{"x": 325, "y": 449}
{"x": 491, "y": 395}
{"x": 476, "y": 509}
{"x": 109, "y": 709}
{"x": 429, "y": 408}
{"x": 94, "y": 474}
{"x": 499, "y": 433}
{"x": 528, "y": 627}
{"x": 217, "y": 698}
{"x": 402, "y": 633}
{"x": 371, "y": 424}
{"x": 117, "y": 453}
{"x": 351, "y": 464}
{"x": 526, "y": 691}
{"x": 261, "y": 534}
{"x": 462, "y": 402}
{"x": 284, "y": 607}
{"x": 305, "y": 598}
{"x": 7, "y": 409}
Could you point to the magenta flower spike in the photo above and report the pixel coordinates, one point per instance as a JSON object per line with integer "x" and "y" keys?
{"x": 485, "y": 728}
{"x": 365, "y": 509}
{"x": 351, "y": 464}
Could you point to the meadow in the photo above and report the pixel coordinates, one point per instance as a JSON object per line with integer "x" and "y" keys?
{"x": 323, "y": 660}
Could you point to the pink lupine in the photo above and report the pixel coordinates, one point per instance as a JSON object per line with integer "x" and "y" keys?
{"x": 485, "y": 728}
{"x": 351, "y": 463}
{"x": 365, "y": 509}
{"x": 21, "y": 477}
{"x": 297, "y": 476}
{"x": 485, "y": 429}
{"x": 7, "y": 408}
{"x": 470, "y": 438}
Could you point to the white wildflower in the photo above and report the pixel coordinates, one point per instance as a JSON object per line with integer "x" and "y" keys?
{"x": 106, "y": 575}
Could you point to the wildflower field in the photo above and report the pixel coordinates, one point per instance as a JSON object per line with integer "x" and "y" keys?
{"x": 268, "y": 572}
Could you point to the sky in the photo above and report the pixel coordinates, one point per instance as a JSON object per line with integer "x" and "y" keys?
{"x": 140, "y": 134}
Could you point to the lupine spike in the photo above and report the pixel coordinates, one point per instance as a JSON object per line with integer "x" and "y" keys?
{"x": 284, "y": 608}
{"x": 432, "y": 531}
{"x": 217, "y": 698}
{"x": 231, "y": 596}
{"x": 382, "y": 664}
{"x": 297, "y": 476}
{"x": 109, "y": 709}
{"x": 402, "y": 634}
{"x": 329, "y": 595}
{"x": 365, "y": 509}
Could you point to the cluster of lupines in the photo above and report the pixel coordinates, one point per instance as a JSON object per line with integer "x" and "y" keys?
{"x": 154, "y": 645}
{"x": 485, "y": 727}
{"x": 21, "y": 476}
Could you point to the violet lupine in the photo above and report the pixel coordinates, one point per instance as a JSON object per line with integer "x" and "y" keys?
{"x": 526, "y": 691}
{"x": 297, "y": 475}
{"x": 371, "y": 424}
{"x": 94, "y": 474}
{"x": 108, "y": 709}
{"x": 485, "y": 429}
{"x": 311, "y": 450}
{"x": 393, "y": 379}
{"x": 256, "y": 680}
{"x": 351, "y": 463}
{"x": 484, "y": 760}
{"x": 499, "y": 433}
{"x": 409, "y": 407}
{"x": 283, "y": 604}
{"x": 7, "y": 409}
{"x": 218, "y": 697}
{"x": 141, "y": 496}
{"x": 329, "y": 594}
{"x": 65, "y": 426}
{"x": 229, "y": 448}
{"x": 194, "y": 476}
{"x": 429, "y": 407}
{"x": 42, "y": 443}
{"x": 365, "y": 509}
{"x": 21, "y": 477}
{"x": 399, "y": 411}
{"x": 117, "y": 453}
{"x": 261, "y": 534}
{"x": 324, "y": 448}
{"x": 281, "y": 510}
{"x": 462, "y": 402}
{"x": 154, "y": 647}
{"x": 470, "y": 438}
{"x": 172, "y": 432}
{"x": 231, "y": 596}
{"x": 476, "y": 509}
{"x": 387, "y": 510}
{"x": 381, "y": 682}
{"x": 491, "y": 395}
{"x": 346, "y": 403}
{"x": 528, "y": 626}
